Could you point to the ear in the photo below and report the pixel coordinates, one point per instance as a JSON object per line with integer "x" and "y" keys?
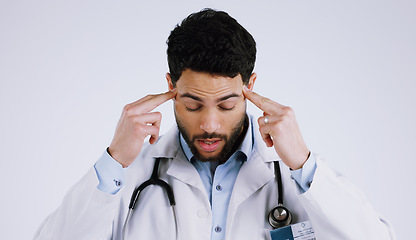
{"x": 170, "y": 84}
{"x": 251, "y": 81}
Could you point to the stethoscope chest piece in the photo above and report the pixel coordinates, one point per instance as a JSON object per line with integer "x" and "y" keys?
{"x": 280, "y": 217}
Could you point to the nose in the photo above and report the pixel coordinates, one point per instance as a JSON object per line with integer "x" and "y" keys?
{"x": 210, "y": 122}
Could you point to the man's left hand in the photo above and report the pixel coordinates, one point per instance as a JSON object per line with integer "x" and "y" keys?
{"x": 279, "y": 128}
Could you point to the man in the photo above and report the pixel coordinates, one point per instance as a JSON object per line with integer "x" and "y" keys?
{"x": 219, "y": 161}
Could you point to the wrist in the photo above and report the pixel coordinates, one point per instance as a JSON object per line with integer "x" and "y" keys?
{"x": 116, "y": 158}
{"x": 301, "y": 162}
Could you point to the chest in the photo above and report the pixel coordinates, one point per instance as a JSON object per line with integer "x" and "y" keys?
{"x": 154, "y": 218}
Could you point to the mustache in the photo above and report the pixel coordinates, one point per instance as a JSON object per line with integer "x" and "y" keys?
{"x": 209, "y": 135}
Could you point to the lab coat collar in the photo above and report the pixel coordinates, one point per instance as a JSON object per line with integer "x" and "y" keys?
{"x": 168, "y": 146}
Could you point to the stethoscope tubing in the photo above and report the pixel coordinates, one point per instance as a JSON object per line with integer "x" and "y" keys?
{"x": 155, "y": 180}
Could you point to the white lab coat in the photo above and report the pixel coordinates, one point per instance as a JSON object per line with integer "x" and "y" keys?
{"x": 336, "y": 209}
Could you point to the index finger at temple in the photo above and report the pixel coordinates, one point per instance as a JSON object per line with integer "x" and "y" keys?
{"x": 261, "y": 102}
{"x": 153, "y": 101}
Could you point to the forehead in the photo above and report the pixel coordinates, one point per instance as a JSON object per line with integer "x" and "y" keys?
{"x": 206, "y": 85}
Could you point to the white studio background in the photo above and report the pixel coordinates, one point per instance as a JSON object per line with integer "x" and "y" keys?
{"x": 67, "y": 68}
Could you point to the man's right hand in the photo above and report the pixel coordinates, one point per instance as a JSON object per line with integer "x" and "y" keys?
{"x": 135, "y": 124}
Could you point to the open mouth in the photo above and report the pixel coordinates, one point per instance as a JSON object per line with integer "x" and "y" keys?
{"x": 209, "y": 145}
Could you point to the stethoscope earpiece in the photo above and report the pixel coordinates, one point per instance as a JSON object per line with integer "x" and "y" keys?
{"x": 280, "y": 217}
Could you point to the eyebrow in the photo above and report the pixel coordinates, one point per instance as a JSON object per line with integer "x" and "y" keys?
{"x": 229, "y": 96}
{"x": 219, "y": 100}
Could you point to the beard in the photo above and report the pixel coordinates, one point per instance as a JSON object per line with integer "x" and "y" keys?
{"x": 232, "y": 141}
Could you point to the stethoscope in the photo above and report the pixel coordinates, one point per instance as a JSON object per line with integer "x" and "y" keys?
{"x": 278, "y": 217}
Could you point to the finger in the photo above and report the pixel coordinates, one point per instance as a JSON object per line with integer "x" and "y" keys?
{"x": 158, "y": 115}
{"x": 150, "y": 102}
{"x": 265, "y": 104}
{"x": 152, "y": 118}
{"x": 269, "y": 141}
{"x": 266, "y": 135}
{"x": 155, "y": 100}
{"x": 147, "y": 120}
{"x": 153, "y": 131}
{"x": 156, "y": 123}
{"x": 270, "y": 119}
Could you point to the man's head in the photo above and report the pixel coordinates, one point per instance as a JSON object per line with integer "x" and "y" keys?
{"x": 213, "y": 42}
{"x": 211, "y": 56}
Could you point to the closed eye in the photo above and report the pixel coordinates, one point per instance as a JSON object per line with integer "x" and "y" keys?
{"x": 192, "y": 108}
{"x": 227, "y": 106}
{"x": 226, "y": 109}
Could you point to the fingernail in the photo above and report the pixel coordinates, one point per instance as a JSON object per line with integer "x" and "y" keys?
{"x": 173, "y": 90}
{"x": 246, "y": 88}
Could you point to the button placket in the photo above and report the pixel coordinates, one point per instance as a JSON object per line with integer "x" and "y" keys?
{"x": 217, "y": 229}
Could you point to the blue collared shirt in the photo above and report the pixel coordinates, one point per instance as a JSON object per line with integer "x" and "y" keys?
{"x": 218, "y": 180}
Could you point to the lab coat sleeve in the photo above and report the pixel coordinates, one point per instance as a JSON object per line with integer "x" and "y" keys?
{"x": 85, "y": 213}
{"x": 338, "y": 210}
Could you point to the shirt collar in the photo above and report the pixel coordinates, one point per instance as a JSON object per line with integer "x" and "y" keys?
{"x": 245, "y": 147}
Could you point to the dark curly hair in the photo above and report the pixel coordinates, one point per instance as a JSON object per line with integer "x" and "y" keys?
{"x": 213, "y": 42}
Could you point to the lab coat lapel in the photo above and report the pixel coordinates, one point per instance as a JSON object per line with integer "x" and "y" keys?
{"x": 254, "y": 173}
{"x": 181, "y": 169}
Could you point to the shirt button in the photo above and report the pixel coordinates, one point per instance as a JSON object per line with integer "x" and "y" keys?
{"x": 218, "y": 187}
{"x": 202, "y": 213}
{"x": 118, "y": 183}
{"x": 217, "y": 229}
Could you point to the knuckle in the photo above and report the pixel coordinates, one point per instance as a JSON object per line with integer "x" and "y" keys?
{"x": 288, "y": 111}
{"x": 278, "y": 129}
{"x": 285, "y": 118}
{"x": 158, "y": 115}
{"x": 279, "y": 126}
{"x": 139, "y": 128}
{"x": 153, "y": 130}
{"x": 131, "y": 118}
{"x": 126, "y": 108}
